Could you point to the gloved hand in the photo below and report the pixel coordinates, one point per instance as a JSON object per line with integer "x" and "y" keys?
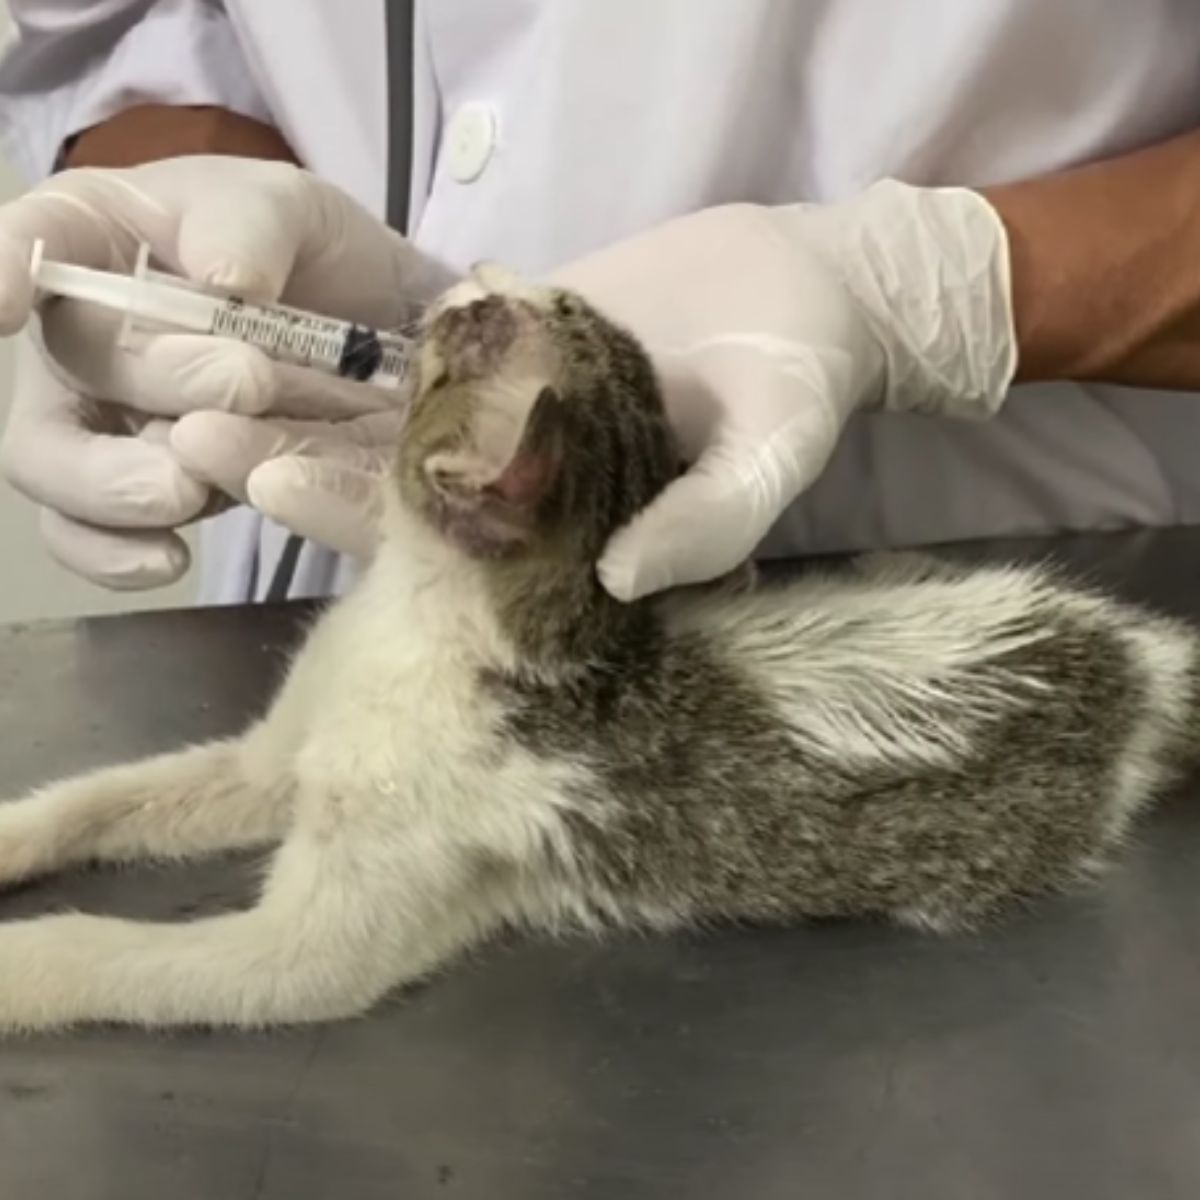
{"x": 93, "y": 431}
{"x": 319, "y": 479}
{"x": 771, "y": 326}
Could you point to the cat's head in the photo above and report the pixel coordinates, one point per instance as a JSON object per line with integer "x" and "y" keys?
{"x": 536, "y": 426}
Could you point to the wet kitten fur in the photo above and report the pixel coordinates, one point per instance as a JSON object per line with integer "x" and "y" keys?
{"x": 479, "y": 737}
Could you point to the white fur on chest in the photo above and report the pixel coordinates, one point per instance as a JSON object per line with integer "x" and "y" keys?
{"x": 386, "y": 713}
{"x": 388, "y": 686}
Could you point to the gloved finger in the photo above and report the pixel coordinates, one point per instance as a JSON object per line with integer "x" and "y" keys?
{"x": 50, "y": 455}
{"x": 171, "y": 374}
{"x": 123, "y": 560}
{"x": 700, "y": 527}
{"x": 353, "y": 266}
{"x": 242, "y": 237}
{"x": 325, "y": 501}
{"x": 224, "y": 449}
{"x": 302, "y": 393}
{"x": 16, "y": 286}
{"x": 759, "y": 457}
{"x": 291, "y": 232}
{"x": 71, "y": 228}
{"x": 281, "y": 231}
{"x": 158, "y": 433}
{"x": 162, "y": 374}
{"x": 234, "y": 227}
{"x": 711, "y": 519}
{"x": 247, "y": 242}
{"x": 123, "y": 482}
{"x": 176, "y": 374}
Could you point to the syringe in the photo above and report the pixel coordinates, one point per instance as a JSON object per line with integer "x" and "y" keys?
{"x": 286, "y": 334}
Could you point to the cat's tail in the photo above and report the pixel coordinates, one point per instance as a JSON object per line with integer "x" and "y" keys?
{"x": 1166, "y": 654}
{"x": 1189, "y": 732}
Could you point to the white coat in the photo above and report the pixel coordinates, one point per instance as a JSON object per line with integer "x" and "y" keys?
{"x": 547, "y": 128}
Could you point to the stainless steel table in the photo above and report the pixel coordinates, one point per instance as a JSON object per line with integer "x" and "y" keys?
{"x": 1056, "y": 1057}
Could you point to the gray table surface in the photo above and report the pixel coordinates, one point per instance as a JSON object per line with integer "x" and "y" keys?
{"x": 1056, "y": 1057}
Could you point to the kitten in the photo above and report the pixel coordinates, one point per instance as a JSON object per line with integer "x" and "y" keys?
{"x": 479, "y": 737}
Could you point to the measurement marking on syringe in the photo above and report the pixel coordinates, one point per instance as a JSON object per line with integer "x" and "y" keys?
{"x": 298, "y": 340}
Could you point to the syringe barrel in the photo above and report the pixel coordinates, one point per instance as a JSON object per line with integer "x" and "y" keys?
{"x": 286, "y": 334}
{"x": 308, "y": 340}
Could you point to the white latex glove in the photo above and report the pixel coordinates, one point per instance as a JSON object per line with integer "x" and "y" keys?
{"x": 319, "y": 479}
{"x": 771, "y": 326}
{"x": 92, "y": 436}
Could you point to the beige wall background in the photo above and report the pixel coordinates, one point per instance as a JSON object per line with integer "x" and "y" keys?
{"x": 32, "y": 585}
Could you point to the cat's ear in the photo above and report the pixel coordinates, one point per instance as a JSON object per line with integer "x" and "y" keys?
{"x": 535, "y": 464}
{"x": 492, "y": 495}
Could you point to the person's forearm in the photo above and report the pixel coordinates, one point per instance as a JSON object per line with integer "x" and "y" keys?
{"x": 154, "y": 131}
{"x": 1106, "y": 268}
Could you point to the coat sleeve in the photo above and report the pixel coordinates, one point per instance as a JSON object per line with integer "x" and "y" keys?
{"x": 69, "y": 64}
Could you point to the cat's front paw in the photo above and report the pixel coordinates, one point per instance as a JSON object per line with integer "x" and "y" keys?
{"x": 22, "y": 845}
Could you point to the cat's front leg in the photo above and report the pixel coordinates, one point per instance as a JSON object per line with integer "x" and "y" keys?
{"x": 218, "y": 796}
{"x": 351, "y": 909}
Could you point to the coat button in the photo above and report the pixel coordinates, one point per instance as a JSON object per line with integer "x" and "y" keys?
{"x": 470, "y": 140}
